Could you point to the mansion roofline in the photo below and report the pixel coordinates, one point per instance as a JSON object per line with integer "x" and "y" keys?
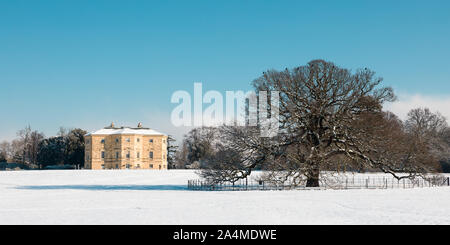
{"x": 112, "y": 130}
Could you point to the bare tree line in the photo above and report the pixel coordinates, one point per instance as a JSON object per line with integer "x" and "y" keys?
{"x": 23, "y": 149}
{"x": 33, "y": 149}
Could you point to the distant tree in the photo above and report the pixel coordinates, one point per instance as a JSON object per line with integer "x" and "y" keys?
{"x": 181, "y": 156}
{"x": 33, "y": 146}
{"x": 200, "y": 143}
{"x": 74, "y": 147}
{"x": 17, "y": 152}
{"x": 446, "y": 135}
{"x": 23, "y": 143}
{"x": 171, "y": 152}
{"x": 445, "y": 161}
{"x": 62, "y": 132}
{"x": 197, "y": 145}
{"x": 3, "y": 157}
{"x": 425, "y": 124}
{"x": 6, "y": 149}
{"x": 67, "y": 148}
{"x": 52, "y": 151}
{"x": 27, "y": 145}
{"x": 431, "y": 130}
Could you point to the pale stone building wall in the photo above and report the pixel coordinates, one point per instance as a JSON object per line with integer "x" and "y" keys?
{"x": 126, "y": 148}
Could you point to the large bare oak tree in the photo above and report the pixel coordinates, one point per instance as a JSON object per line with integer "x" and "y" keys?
{"x": 330, "y": 118}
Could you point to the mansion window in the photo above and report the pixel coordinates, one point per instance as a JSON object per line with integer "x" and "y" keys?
{"x": 117, "y": 155}
{"x": 102, "y": 141}
{"x": 128, "y": 155}
{"x": 138, "y": 155}
{"x": 151, "y": 165}
{"x": 151, "y": 155}
{"x": 151, "y": 141}
{"x": 103, "y": 154}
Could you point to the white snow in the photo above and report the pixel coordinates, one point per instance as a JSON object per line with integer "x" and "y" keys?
{"x": 125, "y": 130}
{"x": 160, "y": 197}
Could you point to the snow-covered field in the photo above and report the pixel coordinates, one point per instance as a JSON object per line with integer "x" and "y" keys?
{"x": 160, "y": 197}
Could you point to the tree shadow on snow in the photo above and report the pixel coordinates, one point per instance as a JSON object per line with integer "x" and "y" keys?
{"x": 106, "y": 187}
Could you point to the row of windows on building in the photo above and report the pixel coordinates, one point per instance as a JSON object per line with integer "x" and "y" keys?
{"x": 137, "y": 166}
{"x": 128, "y": 140}
{"x": 138, "y": 155}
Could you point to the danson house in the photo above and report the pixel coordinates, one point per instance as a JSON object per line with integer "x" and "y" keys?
{"x": 126, "y": 148}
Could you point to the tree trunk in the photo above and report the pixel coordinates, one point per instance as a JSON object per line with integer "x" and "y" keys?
{"x": 313, "y": 179}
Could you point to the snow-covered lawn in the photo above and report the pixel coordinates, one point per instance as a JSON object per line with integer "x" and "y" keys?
{"x": 160, "y": 197}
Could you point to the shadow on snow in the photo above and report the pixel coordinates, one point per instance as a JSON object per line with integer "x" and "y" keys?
{"x": 106, "y": 187}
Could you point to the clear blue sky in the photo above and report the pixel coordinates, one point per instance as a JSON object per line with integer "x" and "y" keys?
{"x": 87, "y": 63}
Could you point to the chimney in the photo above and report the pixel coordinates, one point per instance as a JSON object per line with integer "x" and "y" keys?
{"x": 112, "y": 125}
{"x": 139, "y": 125}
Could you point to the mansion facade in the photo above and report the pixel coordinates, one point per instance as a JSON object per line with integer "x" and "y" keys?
{"x": 126, "y": 148}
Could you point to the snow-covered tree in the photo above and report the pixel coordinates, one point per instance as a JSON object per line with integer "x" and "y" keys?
{"x": 330, "y": 117}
